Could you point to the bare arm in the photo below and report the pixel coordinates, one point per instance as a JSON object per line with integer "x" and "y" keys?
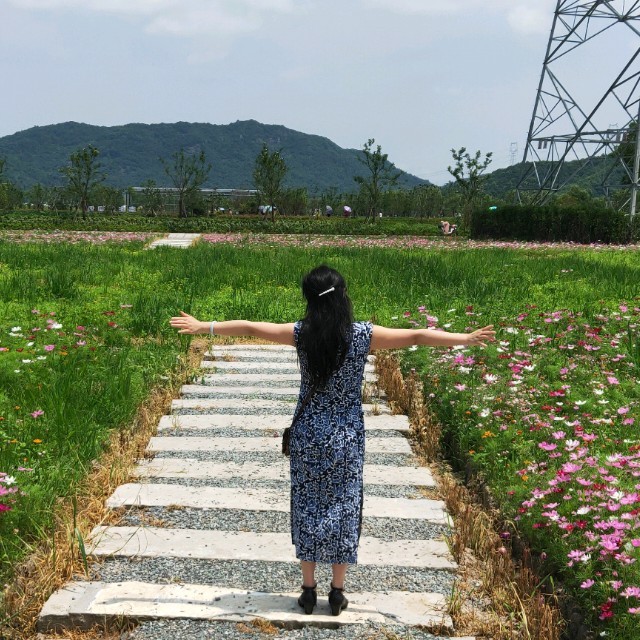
{"x": 385, "y": 338}
{"x": 280, "y": 333}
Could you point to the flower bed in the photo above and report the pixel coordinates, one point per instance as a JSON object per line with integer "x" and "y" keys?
{"x": 550, "y": 416}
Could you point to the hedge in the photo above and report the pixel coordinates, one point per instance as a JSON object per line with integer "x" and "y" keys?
{"x": 220, "y": 224}
{"x": 585, "y": 224}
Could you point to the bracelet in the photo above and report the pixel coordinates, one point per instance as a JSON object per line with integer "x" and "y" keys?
{"x": 211, "y": 331}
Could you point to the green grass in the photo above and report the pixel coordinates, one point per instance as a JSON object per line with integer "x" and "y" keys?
{"x": 87, "y": 390}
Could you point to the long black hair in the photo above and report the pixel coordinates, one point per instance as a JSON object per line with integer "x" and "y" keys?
{"x": 326, "y": 331}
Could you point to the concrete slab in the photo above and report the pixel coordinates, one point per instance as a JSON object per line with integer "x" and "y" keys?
{"x": 268, "y": 443}
{"x": 242, "y": 355}
{"x": 261, "y": 499}
{"x": 382, "y": 422}
{"x": 203, "y": 390}
{"x": 239, "y": 346}
{"x": 250, "y": 379}
{"x": 179, "y": 240}
{"x": 212, "y": 405}
{"x": 198, "y": 469}
{"x": 225, "y": 366}
{"x": 256, "y": 367}
{"x": 158, "y": 542}
{"x": 259, "y": 379}
{"x": 82, "y": 604}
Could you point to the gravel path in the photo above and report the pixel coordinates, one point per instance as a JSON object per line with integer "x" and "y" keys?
{"x": 197, "y": 629}
{"x": 389, "y": 529}
{"x": 259, "y": 575}
{"x": 255, "y": 575}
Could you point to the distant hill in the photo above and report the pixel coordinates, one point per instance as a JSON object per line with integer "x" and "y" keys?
{"x": 502, "y": 181}
{"x": 130, "y": 154}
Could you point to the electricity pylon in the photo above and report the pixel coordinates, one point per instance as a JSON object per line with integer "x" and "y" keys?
{"x": 571, "y": 106}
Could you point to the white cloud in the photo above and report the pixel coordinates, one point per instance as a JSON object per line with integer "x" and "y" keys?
{"x": 531, "y": 19}
{"x": 178, "y": 17}
{"x": 522, "y": 15}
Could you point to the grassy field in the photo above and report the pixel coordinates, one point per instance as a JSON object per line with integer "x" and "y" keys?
{"x": 549, "y": 413}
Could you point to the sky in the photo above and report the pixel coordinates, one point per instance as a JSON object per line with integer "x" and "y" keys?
{"x": 419, "y": 76}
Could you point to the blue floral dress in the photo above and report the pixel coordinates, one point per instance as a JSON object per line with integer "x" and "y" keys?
{"x": 327, "y": 459}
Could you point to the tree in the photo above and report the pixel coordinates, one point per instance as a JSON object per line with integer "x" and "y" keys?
{"x": 427, "y": 200}
{"x": 152, "y": 198}
{"x": 187, "y": 174}
{"x": 3, "y": 166}
{"x": 382, "y": 174}
{"x": 83, "y": 174}
{"x": 268, "y": 177}
{"x": 108, "y": 197}
{"x": 467, "y": 173}
{"x": 37, "y": 196}
{"x": 10, "y": 197}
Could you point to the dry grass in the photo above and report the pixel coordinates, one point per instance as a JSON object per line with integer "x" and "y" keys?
{"x": 495, "y": 596}
{"x": 58, "y": 560}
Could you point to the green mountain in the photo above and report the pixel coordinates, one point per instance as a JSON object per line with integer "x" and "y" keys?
{"x": 502, "y": 181}
{"x": 130, "y": 154}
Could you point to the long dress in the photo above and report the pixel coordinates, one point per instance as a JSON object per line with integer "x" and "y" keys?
{"x": 327, "y": 459}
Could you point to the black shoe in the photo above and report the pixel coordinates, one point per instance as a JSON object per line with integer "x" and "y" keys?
{"x": 308, "y": 599}
{"x": 337, "y": 601}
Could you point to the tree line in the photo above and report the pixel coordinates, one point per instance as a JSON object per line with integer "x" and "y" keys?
{"x": 375, "y": 189}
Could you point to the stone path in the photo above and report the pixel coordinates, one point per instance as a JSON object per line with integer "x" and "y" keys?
{"x": 179, "y": 240}
{"x": 204, "y": 539}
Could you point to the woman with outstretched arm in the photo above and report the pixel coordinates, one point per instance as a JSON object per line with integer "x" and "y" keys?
{"x": 327, "y": 443}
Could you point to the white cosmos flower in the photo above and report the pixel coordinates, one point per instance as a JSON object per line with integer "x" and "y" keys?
{"x": 580, "y": 402}
{"x": 16, "y": 329}
{"x": 511, "y": 330}
{"x": 55, "y": 325}
{"x": 464, "y": 369}
{"x": 598, "y": 392}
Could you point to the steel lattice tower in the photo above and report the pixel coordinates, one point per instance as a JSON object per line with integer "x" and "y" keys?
{"x": 568, "y": 122}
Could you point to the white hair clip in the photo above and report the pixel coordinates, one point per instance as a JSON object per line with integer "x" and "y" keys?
{"x": 327, "y": 291}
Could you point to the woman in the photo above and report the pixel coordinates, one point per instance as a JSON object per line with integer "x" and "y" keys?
{"x": 327, "y": 440}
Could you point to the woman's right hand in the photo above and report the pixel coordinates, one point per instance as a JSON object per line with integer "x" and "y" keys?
{"x": 186, "y": 324}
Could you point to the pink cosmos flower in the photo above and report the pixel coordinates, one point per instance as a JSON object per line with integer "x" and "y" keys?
{"x": 49, "y": 347}
{"x": 612, "y": 380}
{"x": 37, "y": 414}
{"x": 631, "y": 592}
{"x": 628, "y": 421}
{"x": 587, "y": 584}
{"x": 623, "y": 410}
{"x": 547, "y": 446}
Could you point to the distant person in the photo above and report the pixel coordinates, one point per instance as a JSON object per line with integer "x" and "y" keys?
{"x": 448, "y": 229}
{"x": 346, "y": 211}
{"x": 328, "y": 437}
{"x": 328, "y": 211}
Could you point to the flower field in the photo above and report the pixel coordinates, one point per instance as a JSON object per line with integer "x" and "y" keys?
{"x": 550, "y": 417}
{"x": 548, "y": 414}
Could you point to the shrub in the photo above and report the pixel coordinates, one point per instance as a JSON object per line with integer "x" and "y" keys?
{"x": 583, "y": 223}
{"x": 219, "y": 224}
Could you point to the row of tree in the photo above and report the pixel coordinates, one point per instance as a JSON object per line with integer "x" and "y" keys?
{"x": 375, "y": 191}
